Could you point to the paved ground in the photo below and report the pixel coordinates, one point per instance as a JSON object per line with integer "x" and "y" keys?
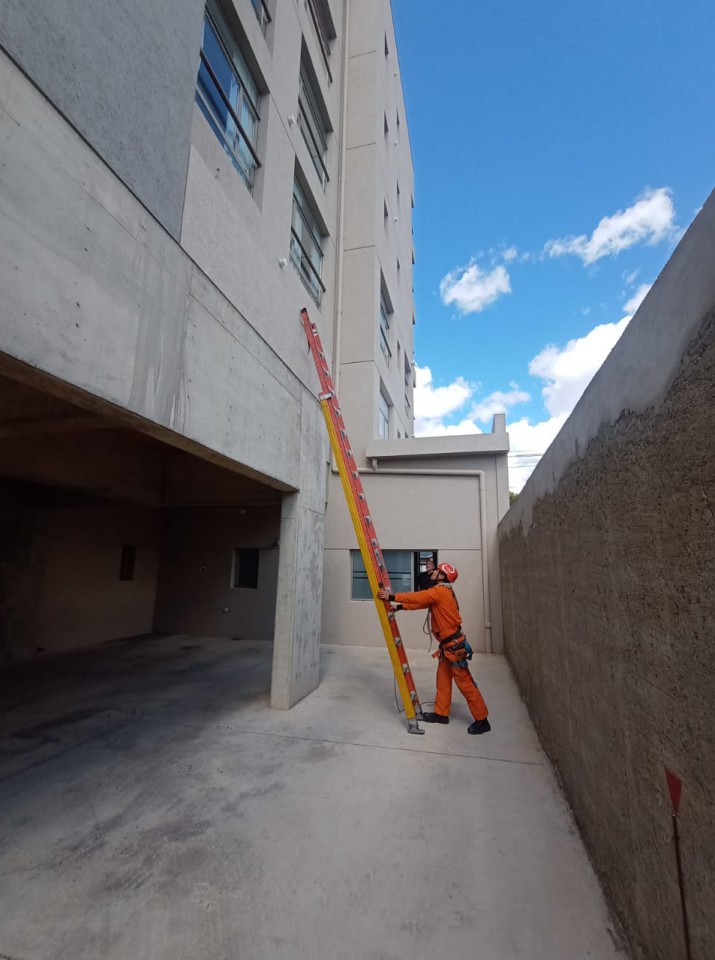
{"x": 153, "y": 807}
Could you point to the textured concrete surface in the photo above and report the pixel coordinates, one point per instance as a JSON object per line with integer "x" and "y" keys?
{"x": 153, "y": 805}
{"x": 120, "y": 319}
{"x": 609, "y": 621}
{"x": 124, "y": 79}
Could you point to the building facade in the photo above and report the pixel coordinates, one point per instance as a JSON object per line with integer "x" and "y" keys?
{"x": 176, "y": 182}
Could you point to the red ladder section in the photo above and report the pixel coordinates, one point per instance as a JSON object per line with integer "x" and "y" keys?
{"x": 364, "y": 527}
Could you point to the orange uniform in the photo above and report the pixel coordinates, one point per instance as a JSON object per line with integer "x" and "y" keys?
{"x": 447, "y": 628}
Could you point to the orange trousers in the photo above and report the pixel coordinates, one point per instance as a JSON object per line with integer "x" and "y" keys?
{"x": 467, "y": 685}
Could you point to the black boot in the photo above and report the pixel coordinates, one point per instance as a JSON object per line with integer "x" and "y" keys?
{"x": 479, "y": 726}
{"x": 434, "y": 718}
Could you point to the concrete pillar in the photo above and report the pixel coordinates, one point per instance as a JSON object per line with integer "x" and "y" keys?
{"x": 296, "y": 644}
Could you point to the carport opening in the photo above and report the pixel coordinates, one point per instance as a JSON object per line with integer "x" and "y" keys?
{"x": 107, "y": 533}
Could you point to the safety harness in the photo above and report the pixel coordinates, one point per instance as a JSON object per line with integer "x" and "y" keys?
{"x": 457, "y": 644}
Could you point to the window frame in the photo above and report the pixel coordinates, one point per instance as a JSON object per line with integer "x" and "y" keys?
{"x": 245, "y": 98}
{"x": 262, "y": 14}
{"x": 383, "y": 417}
{"x": 127, "y": 562}
{"x": 299, "y": 254}
{"x": 245, "y": 568}
{"x": 310, "y": 117}
{"x": 324, "y": 29}
{"x": 385, "y": 324}
{"x": 399, "y": 565}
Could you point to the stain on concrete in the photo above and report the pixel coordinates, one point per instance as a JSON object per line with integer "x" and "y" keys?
{"x": 321, "y": 752}
{"x": 40, "y": 730}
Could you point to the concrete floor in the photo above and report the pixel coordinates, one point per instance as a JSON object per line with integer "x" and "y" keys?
{"x": 153, "y": 807}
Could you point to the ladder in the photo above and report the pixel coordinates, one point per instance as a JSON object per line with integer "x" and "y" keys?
{"x": 364, "y": 529}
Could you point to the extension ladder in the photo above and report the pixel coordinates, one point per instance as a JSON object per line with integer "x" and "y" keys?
{"x": 364, "y": 528}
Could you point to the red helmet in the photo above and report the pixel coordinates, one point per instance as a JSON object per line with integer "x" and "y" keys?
{"x": 450, "y": 572}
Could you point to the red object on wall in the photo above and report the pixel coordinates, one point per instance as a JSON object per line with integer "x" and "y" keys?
{"x": 675, "y": 785}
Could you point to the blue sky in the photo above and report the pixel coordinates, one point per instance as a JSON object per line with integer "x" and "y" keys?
{"x": 560, "y": 150}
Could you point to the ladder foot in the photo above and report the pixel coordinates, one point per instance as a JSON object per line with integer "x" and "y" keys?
{"x": 414, "y": 727}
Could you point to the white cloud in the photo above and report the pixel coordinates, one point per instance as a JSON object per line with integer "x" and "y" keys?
{"x": 568, "y": 370}
{"x": 472, "y": 289}
{"x": 498, "y": 402}
{"x": 434, "y": 404}
{"x": 511, "y": 253}
{"x": 630, "y": 306}
{"x": 436, "y": 428}
{"x": 649, "y": 220}
{"x": 527, "y": 443}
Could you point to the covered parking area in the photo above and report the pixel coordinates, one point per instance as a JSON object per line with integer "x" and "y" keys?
{"x": 110, "y": 530}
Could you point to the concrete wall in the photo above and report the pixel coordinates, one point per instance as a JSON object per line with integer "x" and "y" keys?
{"x": 102, "y": 306}
{"x": 376, "y": 163}
{"x": 238, "y": 237}
{"x": 124, "y": 79}
{"x": 608, "y": 577}
{"x": 195, "y": 592}
{"x": 59, "y": 571}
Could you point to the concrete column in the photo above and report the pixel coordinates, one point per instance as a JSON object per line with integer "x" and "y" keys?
{"x": 296, "y": 645}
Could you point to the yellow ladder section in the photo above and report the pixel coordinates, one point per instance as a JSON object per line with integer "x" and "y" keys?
{"x": 364, "y": 528}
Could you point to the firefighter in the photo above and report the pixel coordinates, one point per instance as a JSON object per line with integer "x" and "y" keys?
{"x": 454, "y": 651}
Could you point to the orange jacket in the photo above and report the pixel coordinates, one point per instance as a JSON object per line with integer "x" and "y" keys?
{"x": 442, "y": 603}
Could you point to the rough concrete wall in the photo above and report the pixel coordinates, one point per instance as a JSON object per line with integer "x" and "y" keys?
{"x": 18, "y": 579}
{"x": 81, "y": 601}
{"x": 195, "y": 592}
{"x": 608, "y": 582}
{"x": 59, "y": 576}
{"x": 296, "y": 644}
{"x": 119, "y": 311}
{"x": 128, "y": 91}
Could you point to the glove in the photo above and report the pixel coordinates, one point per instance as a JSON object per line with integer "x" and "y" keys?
{"x": 397, "y": 606}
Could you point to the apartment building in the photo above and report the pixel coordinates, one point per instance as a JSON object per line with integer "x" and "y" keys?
{"x": 176, "y": 181}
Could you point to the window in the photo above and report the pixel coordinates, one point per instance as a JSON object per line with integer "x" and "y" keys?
{"x": 227, "y": 93}
{"x": 245, "y": 568}
{"x": 385, "y": 328}
{"x": 383, "y": 418}
{"x": 408, "y": 384}
{"x": 306, "y": 243}
{"x": 126, "y": 564}
{"x": 312, "y": 125}
{"x": 421, "y": 557}
{"x": 398, "y": 564}
{"x": 264, "y": 17}
{"x": 324, "y": 28}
